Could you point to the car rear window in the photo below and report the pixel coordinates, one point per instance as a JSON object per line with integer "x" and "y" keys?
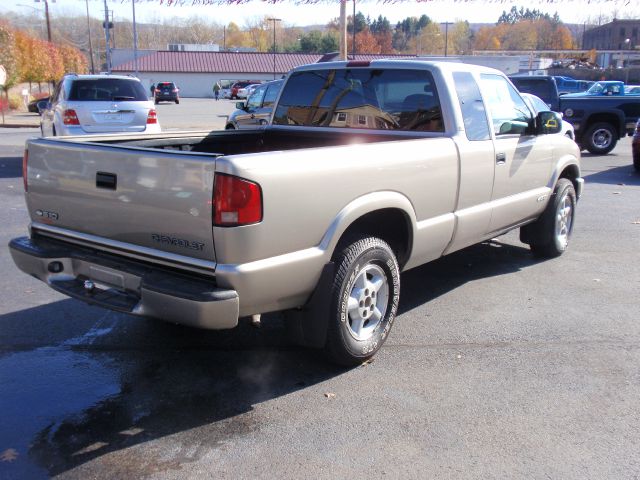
{"x": 107, "y": 89}
{"x": 382, "y": 99}
{"x": 165, "y": 85}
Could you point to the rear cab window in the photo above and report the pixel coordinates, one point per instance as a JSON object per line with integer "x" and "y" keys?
{"x": 368, "y": 98}
{"x": 476, "y": 125}
{"x": 106, "y": 89}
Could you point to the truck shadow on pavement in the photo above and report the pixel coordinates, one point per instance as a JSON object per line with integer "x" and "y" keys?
{"x": 489, "y": 259}
{"x": 115, "y": 382}
{"x": 10, "y": 167}
{"x": 615, "y": 176}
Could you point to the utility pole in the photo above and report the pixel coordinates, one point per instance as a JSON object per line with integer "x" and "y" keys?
{"x": 46, "y": 14}
{"x": 106, "y": 35}
{"x": 446, "y": 37}
{"x": 353, "y": 51}
{"x": 274, "y": 20}
{"x": 343, "y": 29}
{"x": 135, "y": 38}
{"x": 93, "y": 70}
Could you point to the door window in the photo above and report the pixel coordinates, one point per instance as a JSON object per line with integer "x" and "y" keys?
{"x": 509, "y": 113}
{"x": 476, "y": 125}
{"x": 271, "y": 94}
{"x": 255, "y": 100}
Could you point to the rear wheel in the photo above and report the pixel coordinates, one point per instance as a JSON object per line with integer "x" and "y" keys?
{"x": 177, "y": 101}
{"x": 600, "y": 138}
{"x": 364, "y": 300}
{"x": 549, "y": 235}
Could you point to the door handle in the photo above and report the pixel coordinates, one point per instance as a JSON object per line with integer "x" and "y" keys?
{"x": 106, "y": 180}
{"x": 501, "y": 158}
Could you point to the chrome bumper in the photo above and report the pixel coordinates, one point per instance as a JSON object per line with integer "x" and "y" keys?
{"x": 126, "y": 285}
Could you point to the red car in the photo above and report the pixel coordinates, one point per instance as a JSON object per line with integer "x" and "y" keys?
{"x": 238, "y": 85}
{"x": 635, "y": 147}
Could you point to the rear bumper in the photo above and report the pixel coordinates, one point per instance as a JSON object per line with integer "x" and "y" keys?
{"x": 126, "y": 285}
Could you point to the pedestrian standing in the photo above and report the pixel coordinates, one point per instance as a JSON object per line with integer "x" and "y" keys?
{"x": 216, "y": 90}
{"x": 152, "y": 88}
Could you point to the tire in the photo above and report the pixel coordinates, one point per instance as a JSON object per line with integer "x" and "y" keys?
{"x": 364, "y": 300}
{"x": 230, "y": 127}
{"x": 600, "y": 138}
{"x": 177, "y": 101}
{"x": 548, "y": 237}
{"x": 156, "y": 102}
{"x": 636, "y": 163}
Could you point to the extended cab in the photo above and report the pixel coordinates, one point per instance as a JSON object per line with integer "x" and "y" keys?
{"x": 599, "y": 119}
{"x": 367, "y": 170}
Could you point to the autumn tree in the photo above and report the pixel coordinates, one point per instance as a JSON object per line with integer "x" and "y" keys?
{"x": 9, "y": 56}
{"x": 460, "y": 38}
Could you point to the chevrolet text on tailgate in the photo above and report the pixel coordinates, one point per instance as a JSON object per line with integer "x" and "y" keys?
{"x": 366, "y": 170}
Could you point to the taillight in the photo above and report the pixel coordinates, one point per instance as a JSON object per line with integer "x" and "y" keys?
{"x": 157, "y": 90}
{"x": 175, "y": 90}
{"x": 69, "y": 117}
{"x": 152, "y": 117}
{"x": 25, "y": 162}
{"x": 236, "y": 201}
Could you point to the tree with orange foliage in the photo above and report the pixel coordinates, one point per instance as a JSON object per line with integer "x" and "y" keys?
{"x": 73, "y": 60}
{"x": 366, "y": 42}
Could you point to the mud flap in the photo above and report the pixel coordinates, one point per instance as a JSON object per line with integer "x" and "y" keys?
{"x": 307, "y": 326}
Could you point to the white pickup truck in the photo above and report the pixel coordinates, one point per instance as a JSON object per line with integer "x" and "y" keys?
{"x": 367, "y": 169}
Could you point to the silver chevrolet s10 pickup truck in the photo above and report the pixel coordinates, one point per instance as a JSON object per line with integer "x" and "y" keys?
{"x": 367, "y": 169}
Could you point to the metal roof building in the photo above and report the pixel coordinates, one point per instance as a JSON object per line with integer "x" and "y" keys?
{"x": 196, "y": 72}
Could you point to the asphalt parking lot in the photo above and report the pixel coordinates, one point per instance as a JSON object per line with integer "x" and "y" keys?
{"x": 499, "y": 366}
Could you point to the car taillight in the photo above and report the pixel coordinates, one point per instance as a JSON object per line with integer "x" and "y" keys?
{"x": 175, "y": 90}
{"x": 157, "y": 90}
{"x": 25, "y": 162}
{"x": 69, "y": 117}
{"x": 236, "y": 201}
{"x": 152, "y": 117}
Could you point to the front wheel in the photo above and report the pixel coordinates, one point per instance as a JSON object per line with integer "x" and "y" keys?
{"x": 364, "y": 300}
{"x": 549, "y": 235}
{"x": 600, "y": 138}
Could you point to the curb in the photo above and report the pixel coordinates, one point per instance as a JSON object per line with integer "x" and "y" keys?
{"x": 18, "y": 125}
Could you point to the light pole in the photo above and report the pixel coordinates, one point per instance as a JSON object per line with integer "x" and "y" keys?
{"x": 274, "y": 20}
{"x": 627, "y": 42}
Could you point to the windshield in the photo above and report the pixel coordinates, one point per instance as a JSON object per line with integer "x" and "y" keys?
{"x": 107, "y": 89}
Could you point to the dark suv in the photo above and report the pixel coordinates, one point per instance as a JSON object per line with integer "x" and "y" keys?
{"x": 166, "y": 92}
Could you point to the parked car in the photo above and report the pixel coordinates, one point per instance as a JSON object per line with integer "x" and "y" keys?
{"x": 537, "y": 105}
{"x": 257, "y": 109}
{"x": 635, "y": 147}
{"x": 247, "y": 91}
{"x": 37, "y": 105}
{"x": 166, "y": 92}
{"x": 238, "y": 85}
{"x": 85, "y": 104}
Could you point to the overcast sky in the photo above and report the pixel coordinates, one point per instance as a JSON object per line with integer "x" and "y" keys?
{"x": 300, "y": 15}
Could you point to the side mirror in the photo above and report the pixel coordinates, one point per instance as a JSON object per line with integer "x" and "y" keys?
{"x": 514, "y": 126}
{"x": 548, "y": 122}
{"x": 241, "y": 106}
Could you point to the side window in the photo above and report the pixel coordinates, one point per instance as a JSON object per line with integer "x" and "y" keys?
{"x": 255, "y": 100}
{"x": 508, "y": 111}
{"x": 476, "y": 125}
{"x": 271, "y": 94}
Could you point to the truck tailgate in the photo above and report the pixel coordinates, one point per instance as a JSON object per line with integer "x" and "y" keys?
{"x": 138, "y": 199}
